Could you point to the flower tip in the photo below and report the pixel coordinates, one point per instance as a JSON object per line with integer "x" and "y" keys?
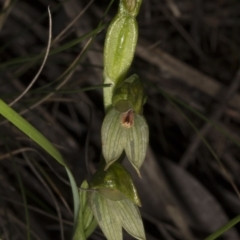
{"x": 139, "y": 204}
{"x": 138, "y": 172}
{"x": 107, "y": 166}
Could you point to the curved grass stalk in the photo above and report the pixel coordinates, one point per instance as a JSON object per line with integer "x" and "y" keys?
{"x": 34, "y": 59}
{"x": 26, "y": 29}
{"x": 67, "y": 74}
{"x": 42, "y": 65}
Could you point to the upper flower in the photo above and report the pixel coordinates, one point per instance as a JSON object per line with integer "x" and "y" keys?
{"x": 124, "y": 127}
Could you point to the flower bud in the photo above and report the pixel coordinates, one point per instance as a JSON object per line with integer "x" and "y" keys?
{"x": 130, "y": 7}
{"x": 132, "y": 92}
{"x": 119, "y": 47}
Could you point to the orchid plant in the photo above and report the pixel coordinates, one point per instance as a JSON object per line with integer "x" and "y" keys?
{"x": 113, "y": 200}
{"x": 110, "y": 199}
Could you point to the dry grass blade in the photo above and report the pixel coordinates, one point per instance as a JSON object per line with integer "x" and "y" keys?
{"x": 50, "y": 193}
{"x": 5, "y": 12}
{"x": 42, "y": 65}
{"x": 58, "y": 37}
{"x": 19, "y": 222}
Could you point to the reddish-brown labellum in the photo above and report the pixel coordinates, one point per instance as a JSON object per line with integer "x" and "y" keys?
{"x": 127, "y": 118}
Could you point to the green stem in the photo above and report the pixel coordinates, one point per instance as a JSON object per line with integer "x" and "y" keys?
{"x": 224, "y": 228}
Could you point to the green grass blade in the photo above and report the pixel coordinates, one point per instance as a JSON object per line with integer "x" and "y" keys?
{"x": 42, "y": 141}
{"x": 224, "y": 228}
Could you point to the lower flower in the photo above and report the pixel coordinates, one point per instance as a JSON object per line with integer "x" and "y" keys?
{"x": 112, "y": 216}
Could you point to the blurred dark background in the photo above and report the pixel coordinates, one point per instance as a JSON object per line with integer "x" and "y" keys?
{"x": 187, "y": 56}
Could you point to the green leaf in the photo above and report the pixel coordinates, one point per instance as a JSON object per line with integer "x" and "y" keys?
{"x": 42, "y": 141}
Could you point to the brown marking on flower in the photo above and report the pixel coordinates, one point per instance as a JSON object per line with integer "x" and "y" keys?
{"x": 127, "y": 119}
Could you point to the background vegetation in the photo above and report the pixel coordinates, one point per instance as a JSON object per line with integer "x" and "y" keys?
{"x": 188, "y": 57}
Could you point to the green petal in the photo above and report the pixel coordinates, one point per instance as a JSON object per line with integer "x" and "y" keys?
{"x": 115, "y": 183}
{"x": 131, "y": 219}
{"x": 113, "y": 215}
{"x": 111, "y": 133}
{"x": 136, "y": 142}
{"x": 105, "y": 214}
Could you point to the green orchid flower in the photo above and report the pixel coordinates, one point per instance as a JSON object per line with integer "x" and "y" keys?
{"x": 113, "y": 202}
{"x": 124, "y": 127}
{"x": 112, "y": 216}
